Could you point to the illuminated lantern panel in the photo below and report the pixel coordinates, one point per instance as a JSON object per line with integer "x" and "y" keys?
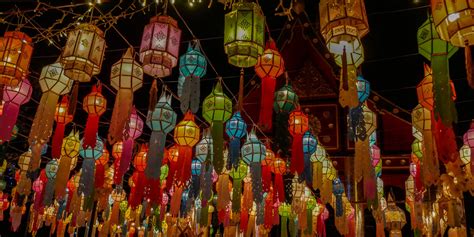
{"x": 159, "y": 48}
{"x": 430, "y": 44}
{"x": 244, "y": 34}
{"x": 15, "y": 54}
{"x": 270, "y": 63}
{"x": 453, "y": 21}
{"x": 421, "y": 118}
{"x": 127, "y": 73}
{"x": 363, "y": 89}
{"x": 83, "y": 54}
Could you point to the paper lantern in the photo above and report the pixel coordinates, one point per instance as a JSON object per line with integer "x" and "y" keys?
{"x": 69, "y": 152}
{"x": 62, "y": 118}
{"x": 196, "y": 167}
{"x": 253, "y": 152}
{"x": 363, "y": 89}
{"x": 235, "y": 128}
{"x": 83, "y": 53}
{"x": 244, "y": 34}
{"x": 13, "y": 98}
{"x": 417, "y": 148}
{"x": 159, "y": 47}
{"x": 186, "y": 135}
{"x": 16, "y": 49}
{"x": 100, "y": 172}
{"x": 370, "y": 119}
{"x": 267, "y": 164}
{"x": 319, "y": 155}
{"x": 310, "y": 144}
{"x": 217, "y": 109}
{"x": 410, "y": 188}
{"x": 204, "y": 147}
{"x": 132, "y": 131}
{"x": 270, "y": 65}
{"x": 278, "y": 168}
{"x": 90, "y": 155}
{"x": 193, "y": 63}
{"x": 140, "y": 159}
{"x": 429, "y": 42}
{"x": 126, "y": 77}
{"x": 286, "y": 100}
{"x": 238, "y": 174}
{"x": 338, "y": 190}
{"x": 95, "y": 105}
{"x": 24, "y": 161}
{"x": 51, "y": 169}
{"x": 465, "y": 154}
{"x": 297, "y": 125}
{"x": 161, "y": 120}
{"x": 140, "y": 163}
{"x": 394, "y": 218}
{"x": 53, "y": 83}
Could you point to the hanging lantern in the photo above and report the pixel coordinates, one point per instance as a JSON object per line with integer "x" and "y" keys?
{"x": 16, "y": 49}
{"x": 193, "y": 63}
{"x": 159, "y": 47}
{"x": 181, "y": 80}
{"x": 24, "y": 183}
{"x": 363, "y": 89}
{"x": 286, "y": 100}
{"x": 278, "y": 168}
{"x": 267, "y": 164}
{"x": 186, "y": 135}
{"x": 140, "y": 163}
{"x": 338, "y": 190}
{"x": 83, "y": 54}
{"x": 465, "y": 154}
{"x": 244, "y": 34}
{"x": 161, "y": 120}
{"x": 235, "y": 128}
{"x": 62, "y": 118}
{"x": 394, "y": 218}
{"x": 410, "y": 188}
{"x": 53, "y": 83}
{"x": 253, "y": 152}
{"x": 453, "y": 21}
{"x": 132, "y": 131}
{"x": 13, "y": 98}
{"x": 204, "y": 147}
{"x": 217, "y": 109}
{"x": 270, "y": 65}
{"x": 67, "y": 162}
{"x": 310, "y": 144}
{"x": 95, "y": 105}
{"x": 297, "y": 125}
{"x": 126, "y": 77}
{"x": 237, "y": 174}
{"x": 51, "y": 170}
{"x": 417, "y": 148}
{"x": 90, "y": 155}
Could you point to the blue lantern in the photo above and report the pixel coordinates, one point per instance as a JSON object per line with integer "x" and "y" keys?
{"x": 338, "y": 190}
{"x": 373, "y": 139}
{"x": 310, "y": 144}
{"x": 51, "y": 170}
{"x": 363, "y": 89}
{"x": 161, "y": 120}
{"x": 90, "y": 155}
{"x": 253, "y": 152}
{"x": 196, "y": 167}
{"x": 204, "y": 147}
{"x": 193, "y": 63}
{"x": 235, "y": 128}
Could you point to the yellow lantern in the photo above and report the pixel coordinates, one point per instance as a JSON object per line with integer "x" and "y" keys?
{"x": 15, "y": 54}
{"x": 186, "y": 135}
{"x": 84, "y": 51}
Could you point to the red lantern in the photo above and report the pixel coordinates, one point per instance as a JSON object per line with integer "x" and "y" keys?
{"x": 4, "y": 203}
{"x": 298, "y": 125}
{"x": 15, "y": 54}
{"x": 278, "y": 169}
{"x": 95, "y": 105}
{"x": 270, "y": 65}
{"x": 62, "y": 118}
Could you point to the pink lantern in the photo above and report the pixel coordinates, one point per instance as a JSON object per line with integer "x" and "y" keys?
{"x": 160, "y": 46}
{"x": 131, "y": 132}
{"x": 375, "y": 155}
{"x": 13, "y": 97}
{"x": 469, "y": 138}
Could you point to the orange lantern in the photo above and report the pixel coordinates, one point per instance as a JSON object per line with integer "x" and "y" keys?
{"x": 95, "y": 105}
{"x": 100, "y": 168}
{"x": 15, "y": 54}
{"x": 424, "y": 90}
{"x": 270, "y": 65}
{"x": 266, "y": 168}
{"x": 139, "y": 162}
{"x": 62, "y": 118}
{"x": 298, "y": 125}
{"x": 172, "y": 155}
{"x": 278, "y": 169}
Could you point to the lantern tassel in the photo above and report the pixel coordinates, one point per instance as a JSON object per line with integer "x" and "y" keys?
{"x": 236, "y": 194}
{"x": 284, "y": 226}
{"x": 370, "y": 187}
{"x": 445, "y": 142}
{"x": 48, "y": 192}
{"x": 8, "y": 120}
{"x": 234, "y": 152}
{"x": 223, "y": 191}
{"x": 155, "y": 154}
{"x": 321, "y": 225}
{"x": 307, "y": 174}
{"x": 309, "y": 222}
{"x": 42, "y": 125}
{"x": 58, "y": 140}
{"x": 195, "y": 185}
{"x": 99, "y": 176}
{"x": 86, "y": 181}
{"x": 468, "y": 56}
{"x": 127, "y": 151}
{"x": 120, "y": 115}
{"x": 279, "y": 188}
{"x": 185, "y": 157}
{"x": 176, "y": 201}
{"x": 430, "y": 160}
{"x": 139, "y": 189}
{"x": 73, "y": 99}
{"x": 297, "y": 161}
{"x": 266, "y": 178}
{"x": 62, "y": 177}
{"x": 90, "y": 133}
{"x": 444, "y": 107}
{"x": 190, "y": 96}
{"x": 218, "y": 145}
{"x": 153, "y": 96}
{"x": 256, "y": 174}
{"x": 173, "y": 165}
{"x": 244, "y": 220}
{"x": 266, "y": 103}
{"x": 268, "y": 213}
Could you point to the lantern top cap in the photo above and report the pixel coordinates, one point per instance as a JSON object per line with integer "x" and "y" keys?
{"x": 18, "y": 35}
{"x": 164, "y": 19}
{"x": 242, "y": 5}
{"x": 129, "y": 53}
{"x": 91, "y": 27}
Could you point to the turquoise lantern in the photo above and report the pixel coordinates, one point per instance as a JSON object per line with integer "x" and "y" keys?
{"x": 196, "y": 169}
{"x": 363, "y": 89}
{"x": 51, "y": 171}
{"x": 161, "y": 120}
{"x": 286, "y": 100}
{"x": 204, "y": 147}
{"x": 253, "y": 152}
{"x": 90, "y": 155}
{"x": 196, "y": 166}
{"x": 217, "y": 109}
{"x": 310, "y": 144}
{"x": 193, "y": 63}
{"x": 235, "y": 128}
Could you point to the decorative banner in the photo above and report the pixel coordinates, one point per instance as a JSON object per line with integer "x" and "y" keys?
{"x": 62, "y": 118}
{"x": 95, "y": 105}
{"x": 217, "y": 109}
{"x": 67, "y": 162}
{"x": 89, "y": 155}
{"x": 192, "y": 67}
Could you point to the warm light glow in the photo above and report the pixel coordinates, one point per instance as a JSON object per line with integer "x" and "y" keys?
{"x": 453, "y": 17}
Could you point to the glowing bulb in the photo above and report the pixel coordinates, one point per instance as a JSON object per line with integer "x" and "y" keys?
{"x": 453, "y": 17}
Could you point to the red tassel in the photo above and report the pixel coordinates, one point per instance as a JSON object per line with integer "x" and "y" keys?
{"x": 276, "y": 216}
{"x": 268, "y": 213}
{"x": 58, "y": 140}
{"x": 279, "y": 189}
{"x": 445, "y": 142}
{"x": 221, "y": 216}
{"x": 297, "y": 158}
{"x": 90, "y": 134}
{"x": 171, "y": 173}
{"x": 127, "y": 152}
{"x": 266, "y": 178}
{"x": 139, "y": 189}
{"x": 418, "y": 182}
{"x": 185, "y": 158}
{"x": 244, "y": 220}
{"x": 266, "y": 103}
{"x": 154, "y": 194}
{"x": 99, "y": 175}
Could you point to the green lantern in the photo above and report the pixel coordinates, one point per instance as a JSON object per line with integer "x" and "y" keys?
{"x": 217, "y": 109}
{"x": 244, "y": 34}
{"x": 286, "y": 100}
{"x": 417, "y": 148}
{"x": 237, "y": 174}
